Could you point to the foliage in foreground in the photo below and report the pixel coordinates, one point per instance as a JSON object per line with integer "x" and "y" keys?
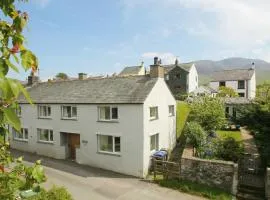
{"x": 195, "y": 189}
{"x": 226, "y": 92}
{"x": 55, "y": 193}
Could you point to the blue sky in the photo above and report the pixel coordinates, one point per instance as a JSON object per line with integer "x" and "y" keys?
{"x": 101, "y": 37}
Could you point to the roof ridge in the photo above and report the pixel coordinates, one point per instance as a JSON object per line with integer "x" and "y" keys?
{"x": 233, "y": 69}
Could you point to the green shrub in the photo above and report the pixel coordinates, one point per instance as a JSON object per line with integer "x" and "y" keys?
{"x": 195, "y": 134}
{"x": 55, "y": 193}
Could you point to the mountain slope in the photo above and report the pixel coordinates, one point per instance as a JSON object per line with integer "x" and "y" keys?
{"x": 207, "y": 67}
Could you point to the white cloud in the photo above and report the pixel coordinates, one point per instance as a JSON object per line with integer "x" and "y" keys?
{"x": 42, "y": 3}
{"x": 166, "y": 58}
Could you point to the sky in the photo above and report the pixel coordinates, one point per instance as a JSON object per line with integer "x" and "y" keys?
{"x": 102, "y": 37}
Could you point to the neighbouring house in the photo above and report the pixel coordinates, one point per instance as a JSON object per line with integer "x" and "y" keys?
{"x": 181, "y": 77}
{"x": 234, "y": 104}
{"x": 243, "y": 81}
{"x": 114, "y": 123}
{"x": 133, "y": 71}
{"x": 204, "y": 91}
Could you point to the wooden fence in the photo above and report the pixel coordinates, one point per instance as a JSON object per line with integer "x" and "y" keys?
{"x": 166, "y": 168}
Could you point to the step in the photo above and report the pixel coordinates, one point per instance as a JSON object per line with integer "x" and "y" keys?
{"x": 242, "y": 196}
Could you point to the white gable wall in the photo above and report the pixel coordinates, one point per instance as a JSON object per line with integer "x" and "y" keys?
{"x": 165, "y": 125}
{"x": 252, "y": 86}
{"x": 193, "y": 79}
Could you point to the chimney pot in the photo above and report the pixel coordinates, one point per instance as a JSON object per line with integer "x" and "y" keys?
{"x": 32, "y": 79}
{"x": 156, "y": 61}
{"x": 156, "y": 70}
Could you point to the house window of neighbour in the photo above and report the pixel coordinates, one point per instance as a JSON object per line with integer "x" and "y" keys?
{"x": 227, "y": 111}
{"x": 107, "y": 143}
{"x": 45, "y": 135}
{"x": 241, "y": 84}
{"x": 153, "y": 113}
{"x": 69, "y": 112}
{"x": 108, "y": 113}
{"x": 171, "y": 110}
{"x": 154, "y": 142}
{"x": 222, "y": 83}
{"x": 167, "y": 77}
{"x": 178, "y": 76}
{"x": 234, "y": 112}
{"x": 241, "y": 94}
{"x": 44, "y": 111}
{"x": 23, "y": 135}
{"x": 19, "y": 111}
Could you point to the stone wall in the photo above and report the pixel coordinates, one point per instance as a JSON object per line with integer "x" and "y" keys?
{"x": 220, "y": 174}
{"x": 267, "y": 184}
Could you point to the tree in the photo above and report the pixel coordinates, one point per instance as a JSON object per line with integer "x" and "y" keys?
{"x": 226, "y": 92}
{"x": 263, "y": 93}
{"x": 62, "y": 75}
{"x": 208, "y": 112}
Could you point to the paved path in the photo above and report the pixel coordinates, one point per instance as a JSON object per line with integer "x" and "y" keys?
{"x": 87, "y": 183}
{"x": 249, "y": 143}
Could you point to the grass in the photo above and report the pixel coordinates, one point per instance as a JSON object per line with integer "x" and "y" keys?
{"x": 181, "y": 117}
{"x": 234, "y": 134}
{"x": 1, "y": 139}
{"x": 195, "y": 189}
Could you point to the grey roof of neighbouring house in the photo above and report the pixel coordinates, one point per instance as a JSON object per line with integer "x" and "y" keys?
{"x": 237, "y": 100}
{"x": 203, "y": 90}
{"x": 127, "y": 71}
{"x": 132, "y": 89}
{"x": 233, "y": 75}
{"x": 184, "y": 66}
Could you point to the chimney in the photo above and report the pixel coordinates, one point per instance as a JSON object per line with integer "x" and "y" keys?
{"x": 82, "y": 76}
{"x": 32, "y": 79}
{"x": 252, "y": 66}
{"x": 156, "y": 70}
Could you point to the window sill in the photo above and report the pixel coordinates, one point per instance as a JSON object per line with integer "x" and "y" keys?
{"x": 108, "y": 121}
{"x": 45, "y": 142}
{"x": 153, "y": 119}
{"x": 241, "y": 88}
{"x": 171, "y": 115}
{"x": 74, "y": 119}
{"x": 44, "y": 117}
{"x": 109, "y": 153}
{"x": 20, "y": 140}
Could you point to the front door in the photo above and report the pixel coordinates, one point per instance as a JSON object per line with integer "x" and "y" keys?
{"x": 73, "y": 143}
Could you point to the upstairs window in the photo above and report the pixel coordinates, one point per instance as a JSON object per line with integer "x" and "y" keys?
{"x": 45, "y": 135}
{"x": 107, "y": 143}
{"x": 178, "y": 76}
{"x": 44, "y": 111}
{"x": 241, "y": 84}
{"x": 153, "y": 113}
{"x": 222, "y": 83}
{"x": 23, "y": 135}
{"x": 171, "y": 110}
{"x": 154, "y": 142}
{"x": 69, "y": 112}
{"x": 108, "y": 113}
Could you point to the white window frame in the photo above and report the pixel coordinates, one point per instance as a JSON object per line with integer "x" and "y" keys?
{"x": 111, "y": 115}
{"x": 113, "y": 144}
{"x": 171, "y": 108}
{"x": 156, "y": 142}
{"x": 50, "y": 132}
{"x": 23, "y": 131}
{"x": 156, "y": 116}
{"x": 47, "y": 107}
{"x": 71, "y": 107}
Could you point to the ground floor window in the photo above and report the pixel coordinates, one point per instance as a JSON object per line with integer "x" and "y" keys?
{"x": 22, "y": 135}
{"x": 241, "y": 94}
{"x": 107, "y": 143}
{"x": 45, "y": 135}
{"x": 154, "y": 142}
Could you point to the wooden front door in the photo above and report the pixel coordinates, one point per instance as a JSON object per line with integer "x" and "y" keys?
{"x": 73, "y": 143}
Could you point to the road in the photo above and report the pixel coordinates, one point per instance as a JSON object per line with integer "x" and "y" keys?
{"x": 87, "y": 183}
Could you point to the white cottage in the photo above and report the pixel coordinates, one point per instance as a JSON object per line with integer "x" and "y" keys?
{"x": 243, "y": 81}
{"x": 113, "y": 123}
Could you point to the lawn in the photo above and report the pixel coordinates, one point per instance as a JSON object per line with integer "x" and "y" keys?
{"x": 234, "y": 134}
{"x": 195, "y": 189}
{"x": 181, "y": 117}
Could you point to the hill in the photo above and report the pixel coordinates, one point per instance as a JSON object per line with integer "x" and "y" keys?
{"x": 207, "y": 67}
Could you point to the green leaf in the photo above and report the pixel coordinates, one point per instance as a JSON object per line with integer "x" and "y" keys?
{"x": 29, "y": 60}
{"x": 25, "y": 93}
{"x": 15, "y": 58}
{"x": 12, "y": 66}
{"x": 14, "y": 85}
{"x": 12, "y": 118}
{"x": 3, "y": 66}
{"x": 38, "y": 173}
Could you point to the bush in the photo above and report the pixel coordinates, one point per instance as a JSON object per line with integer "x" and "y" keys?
{"x": 55, "y": 193}
{"x": 195, "y": 134}
{"x": 229, "y": 149}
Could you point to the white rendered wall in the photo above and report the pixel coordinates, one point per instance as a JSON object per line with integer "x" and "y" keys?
{"x": 192, "y": 80}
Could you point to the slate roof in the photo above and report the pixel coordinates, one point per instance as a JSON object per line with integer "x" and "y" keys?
{"x": 127, "y": 71}
{"x": 237, "y": 100}
{"x": 204, "y": 89}
{"x": 132, "y": 89}
{"x": 184, "y": 66}
{"x": 233, "y": 75}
